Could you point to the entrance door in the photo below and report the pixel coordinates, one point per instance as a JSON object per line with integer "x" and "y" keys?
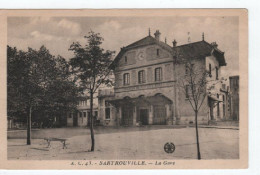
{"x": 88, "y": 124}
{"x": 211, "y": 110}
{"x": 127, "y": 115}
{"x": 159, "y": 115}
{"x": 144, "y": 116}
{"x": 75, "y": 119}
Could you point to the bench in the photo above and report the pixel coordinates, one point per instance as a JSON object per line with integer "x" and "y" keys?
{"x": 63, "y": 141}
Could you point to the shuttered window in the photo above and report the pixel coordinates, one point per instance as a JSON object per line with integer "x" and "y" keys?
{"x": 141, "y": 77}
{"x": 126, "y": 78}
{"x": 158, "y": 74}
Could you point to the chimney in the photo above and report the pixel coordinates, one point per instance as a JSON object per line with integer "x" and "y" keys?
{"x": 214, "y": 44}
{"x": 174, "y": 43}
{"x": 157, "y": 35}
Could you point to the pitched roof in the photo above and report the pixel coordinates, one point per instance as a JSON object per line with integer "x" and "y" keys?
{"x": 191, "y": 50}
{"x": 199, "y": 49}
{"x": 148, "y": 40}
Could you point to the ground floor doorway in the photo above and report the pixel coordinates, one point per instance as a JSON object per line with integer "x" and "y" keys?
{"x": 127, "y": 115}
{"x": 75, "y": 119}
{"x": 159, "y": 115}
{"x": 144, "y": 116}
{"x": 143, "y": 110}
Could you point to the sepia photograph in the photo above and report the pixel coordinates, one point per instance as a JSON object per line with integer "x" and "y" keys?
{"x": 126, "y": 90}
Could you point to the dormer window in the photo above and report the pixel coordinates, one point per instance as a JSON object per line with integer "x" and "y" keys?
{"x": 125, "y": 59}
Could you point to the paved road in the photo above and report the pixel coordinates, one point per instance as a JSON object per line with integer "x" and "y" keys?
{"x": 145, "y": 144}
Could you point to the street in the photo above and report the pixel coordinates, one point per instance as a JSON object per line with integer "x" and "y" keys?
{"x": 128, "y": 143}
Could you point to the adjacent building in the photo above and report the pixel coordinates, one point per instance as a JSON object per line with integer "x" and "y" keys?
{"x": 234, "y": 97}
{"x": 82, "y": 116}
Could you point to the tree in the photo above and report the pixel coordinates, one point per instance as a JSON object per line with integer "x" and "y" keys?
{"x": 196, "y": 85}
{"x": 193, "y": 85}
{"x": 23, "y": 84}
{"x": 17, "y": 70}
{"x": 40, "y": 82}
{"x": 90, "y": 65}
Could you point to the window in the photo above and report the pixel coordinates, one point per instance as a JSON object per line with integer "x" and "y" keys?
{"x": 125, "y": 59}
{"x": 224, "y": 86}
{"x": 224, "y": 106}
{"x": 218, "y": 106}
{"x": 158, "y": 74}
{"x": 126, "y": 79}
{"x": 107, "y": 113}
{"x": 141, "y": 77}
{"x": 224, "y": 110}
{"x": 186, "y": 69}
{"x": 216, "y": 73}
{"x": 80, "y": 114}
{"x": 158, "y": 52}
{"x": 96, "y": 114}
{"x": 84, "y": 114}
{"x": 187, "y": 91}
{"x": 210, "y": 70}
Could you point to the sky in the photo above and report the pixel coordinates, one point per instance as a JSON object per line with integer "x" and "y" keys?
{"x": 58, "y": 33}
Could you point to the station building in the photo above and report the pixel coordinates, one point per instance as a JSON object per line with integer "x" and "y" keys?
{"x": 146, "y": 90}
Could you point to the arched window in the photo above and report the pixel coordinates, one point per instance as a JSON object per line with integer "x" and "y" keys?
{"x": 141, "y": 77}
{"x": 158, "y": 74}
{"x": 126, "y": 78}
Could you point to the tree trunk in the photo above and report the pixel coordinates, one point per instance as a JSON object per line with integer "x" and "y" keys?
{"x": 29, "y": 123}
{"x": 92, "y": 122}
{"x": 197, "y": 135}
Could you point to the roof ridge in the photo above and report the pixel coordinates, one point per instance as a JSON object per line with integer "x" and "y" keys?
{"x": 139, "y": 41}
{"x": 193, "y": 43}
{"x": 165, "y": 44}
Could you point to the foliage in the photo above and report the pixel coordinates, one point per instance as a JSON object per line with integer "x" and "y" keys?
{"x": 90, "y": 63}
{"x": 91, "y": 67}
{"x": 39, "y": 80}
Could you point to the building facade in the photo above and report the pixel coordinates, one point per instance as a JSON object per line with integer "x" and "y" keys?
{"x": 234, "y": 97}
{"x": 82, "y": 116}
{"x": 146, "y": 91}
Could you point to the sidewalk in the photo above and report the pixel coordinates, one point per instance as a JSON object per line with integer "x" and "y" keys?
{"x": 215, "y": 126}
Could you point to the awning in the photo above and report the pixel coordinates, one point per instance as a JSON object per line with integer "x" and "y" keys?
{"x": 156, "y": 99}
